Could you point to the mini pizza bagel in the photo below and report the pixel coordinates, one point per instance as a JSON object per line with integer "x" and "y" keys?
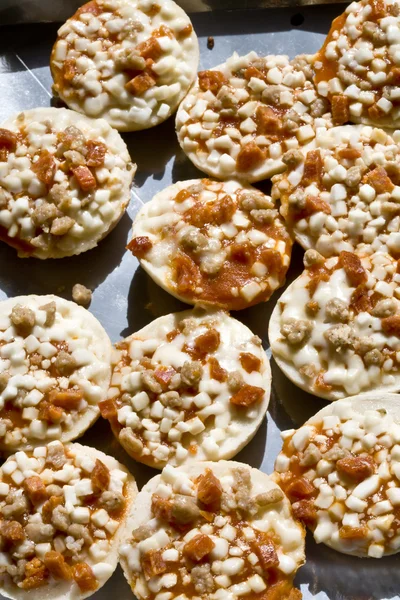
{"x": 55, "y": 367}
{"x": 358, "y": 67}
{"x": 215, "y": 531}
{"x": 341, "y": 471}
{"x": 128, "y": 61}
{"x": 64, "y": 182}
{"x": 214, "y": 243}
{"x": 189, "y": 387}
{"x": 240, "y": 118}
{"x": 63, "y": 515}
{"x": 341, "y": 192}
{"x": 335, "y": 331}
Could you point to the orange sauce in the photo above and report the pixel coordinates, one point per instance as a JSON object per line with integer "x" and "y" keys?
{"x": 278, "y": 586}
{"x": 296, "y": 471}
{"x": 14, "y": 413}
{"x": 235, "y": 272}
{"x": 329, "y": 67}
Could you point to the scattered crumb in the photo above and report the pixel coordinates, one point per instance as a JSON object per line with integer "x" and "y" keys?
{"x": 81, "y": 295}
{"x": 60, "y": 289}
{"x": 210, "y": 42}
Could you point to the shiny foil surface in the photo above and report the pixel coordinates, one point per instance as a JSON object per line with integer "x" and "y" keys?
{"x": 124, "y": 297}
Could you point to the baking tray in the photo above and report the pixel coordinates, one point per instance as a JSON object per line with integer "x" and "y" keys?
{"x": 35, "y": 11}
{"x": 125, "y": 299}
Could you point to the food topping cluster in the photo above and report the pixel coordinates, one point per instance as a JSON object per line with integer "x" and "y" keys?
{"x": 215, "y": 537}
{"x": 60, "y": 509}
{"x": 342, "y": 474}
{"x": 215, "y": 243}
{"x": 54, "y": 370}
{"x": 190, "y": 390}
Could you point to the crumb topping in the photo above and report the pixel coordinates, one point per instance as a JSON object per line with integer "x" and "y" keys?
{"x": 339, "y": 324}
{"x": 341, "y": 474}
{"x": 241, "y": 117}
{"x": 215, "y": 537}
{"x": 60, "y": 510}
{"x": 342, "y": 192}
{"x": 130, "y": 62}
{"x": 64, "y": 182}
{"x": 214, "y": 242}
{"x": 188, "y": 389}
{"x": 357, "y": 68}
{"x": 54, "y": 370}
